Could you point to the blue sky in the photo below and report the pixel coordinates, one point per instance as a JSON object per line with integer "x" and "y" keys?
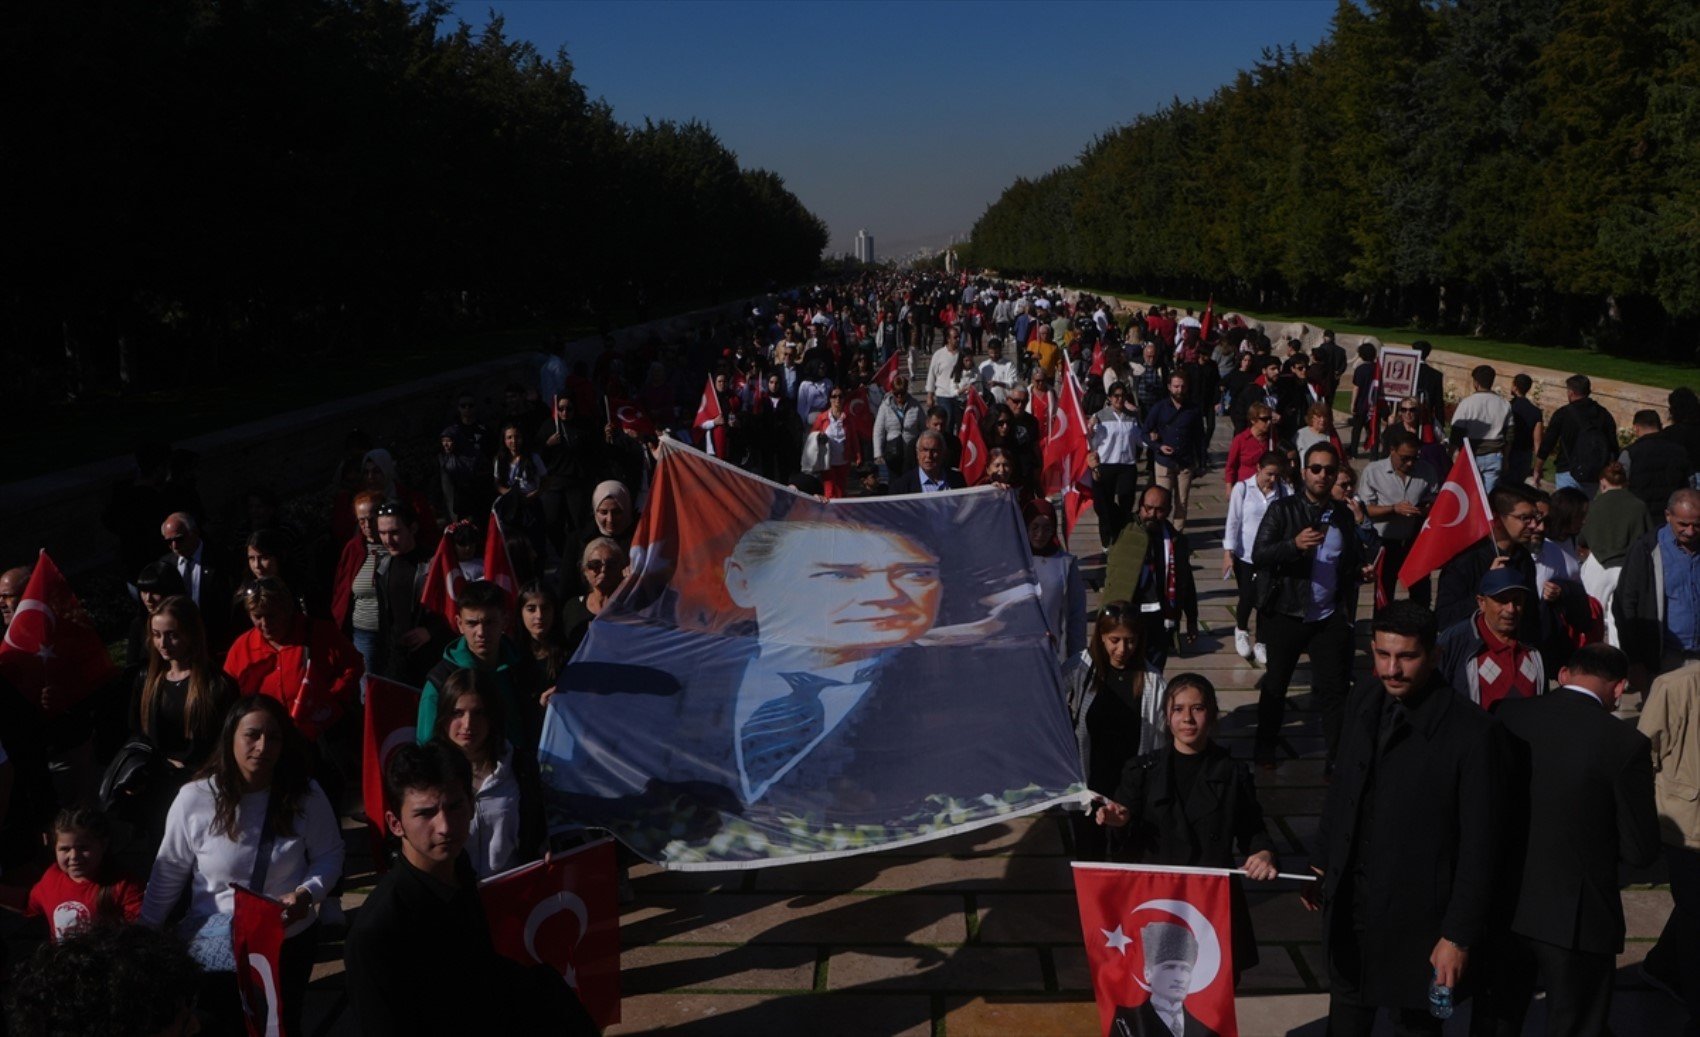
{"x": 904, "y": 118}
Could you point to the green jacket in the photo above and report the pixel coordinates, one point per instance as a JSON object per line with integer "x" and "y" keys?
{"x": 515, "y": 677}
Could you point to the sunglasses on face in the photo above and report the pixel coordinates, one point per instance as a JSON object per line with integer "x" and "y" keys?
{"x": 1323, "y": 469}
{"x": 596, "y": 565}
{"x": 1407, "y": 410}
{"x": 178, "y": 539}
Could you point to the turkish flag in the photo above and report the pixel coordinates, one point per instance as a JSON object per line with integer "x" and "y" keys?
{"x": 1065, "y": 440}
{"x": 709, "y": 408}
{"x": 1381, "y": 601}
{"x": 1041, "y": 404}
{"x": 256, "y": 941}
{"x": 861, "y": 412}
{"x": 1097, "y": 368}
{"x": 973, "y": 448}
{"x": 563, "y": 913}
{"x": 975, "y": 404}
{"x": 442, "y": 580}
{"x": 498, "y": 566}
{"x": 1204, "y": 324}
{"x": 1457, "y": 518}
{"x": 887, "y": 372}
{"x": 392, "y": 709}
{"x": 52, "y": 643}
{"x": 630, "y": 416}
{"x": 1158, "y": 936}
{"x": 1076, "y": 499}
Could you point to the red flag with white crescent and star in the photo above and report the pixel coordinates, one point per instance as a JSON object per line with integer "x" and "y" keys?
{"x": 51, "y": 652}
{"x": 498, "y": 565}
{"x": 709, "y": 408}
{"x": 1066, "y": 446}
{"x": 973, "y": 462}
{"x": 256, "y": 942}
{"x": 563, "y": 913}
{"x": 887, "y": 371}
{"x": 1457, "y": 518}
{"x": 392, "y": 709}
{"x": 442, "y": 580}
{"x": 1161, "y": 950}
{"x": 631, "y": 417}
{"x": 975, "y": 404}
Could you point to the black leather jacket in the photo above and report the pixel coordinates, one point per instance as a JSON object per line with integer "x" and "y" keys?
{"x": 1283, "y": 571}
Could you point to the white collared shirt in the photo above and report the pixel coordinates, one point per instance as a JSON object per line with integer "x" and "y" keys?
{"x": 189, "y": 567}
{"x": 931, "y": 485}
{"x": 1584, "y": 691}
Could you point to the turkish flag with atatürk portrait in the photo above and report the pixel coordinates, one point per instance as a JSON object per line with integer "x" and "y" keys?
{"x": 1160, "y": 947}
{"x": 564, "y": 913}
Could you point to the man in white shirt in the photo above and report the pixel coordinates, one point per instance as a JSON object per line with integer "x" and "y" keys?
{"x": 997, "y": 375}
{"x": 942, "y": 380}
{"x": 1484, "y": 419}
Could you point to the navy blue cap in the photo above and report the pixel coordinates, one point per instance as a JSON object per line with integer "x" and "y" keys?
{"x": 1499, "y": 581}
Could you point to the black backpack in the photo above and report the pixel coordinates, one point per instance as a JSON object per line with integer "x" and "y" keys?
{"x": 1592, "y": 450}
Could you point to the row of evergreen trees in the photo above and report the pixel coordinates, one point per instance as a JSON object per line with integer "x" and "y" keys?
{"x": 315, "y": 175}
{"x": 1506, "y": 166}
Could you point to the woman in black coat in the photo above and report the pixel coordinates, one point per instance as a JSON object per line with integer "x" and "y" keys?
{"x": 1190, "y": 804}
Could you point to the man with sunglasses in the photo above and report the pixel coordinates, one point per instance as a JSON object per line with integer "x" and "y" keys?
{"x": 1310, "y": 562}
{"x": 209, "y": 583}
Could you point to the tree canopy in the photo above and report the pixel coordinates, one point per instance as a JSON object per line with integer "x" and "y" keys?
{"x": 310, "y": 175}
{"x": 1506, "y": 166}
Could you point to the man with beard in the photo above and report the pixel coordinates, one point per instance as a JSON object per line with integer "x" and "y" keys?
{"x": 1151, "y": 566}
{"x": 1308, "y": 550}
{"x": 1176, "y": 432}
{"x": 1409, "y": 835}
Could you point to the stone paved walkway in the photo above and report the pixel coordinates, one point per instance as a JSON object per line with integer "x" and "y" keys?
{"x": 978, "y": 935}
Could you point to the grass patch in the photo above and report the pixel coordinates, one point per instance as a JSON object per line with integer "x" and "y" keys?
{"x": 1571, "y": 360}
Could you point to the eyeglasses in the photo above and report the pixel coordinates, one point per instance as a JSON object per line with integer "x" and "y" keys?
{"x": 1405, "y": 458}
{"x": 178, "y": 539}
{"x": 1407, "y": 410}
{"x": 1323, "y": 469}
{"x": 1528, "y": 518}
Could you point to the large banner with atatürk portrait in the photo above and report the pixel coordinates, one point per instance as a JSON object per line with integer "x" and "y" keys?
{"x": 781, "y": 679}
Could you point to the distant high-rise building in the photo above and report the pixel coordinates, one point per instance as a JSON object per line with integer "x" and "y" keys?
{"x": 864, "y": 247}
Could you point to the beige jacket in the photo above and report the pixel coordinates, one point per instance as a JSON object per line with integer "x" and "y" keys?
{"x": 1671, "y": 721}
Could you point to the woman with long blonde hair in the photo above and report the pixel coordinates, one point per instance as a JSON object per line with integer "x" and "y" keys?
{"x": 178, "y": 702}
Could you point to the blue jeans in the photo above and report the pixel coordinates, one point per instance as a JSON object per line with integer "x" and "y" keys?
{"x": 1565, "y": 479}
{"x": 1489, "y": 466}
{"x": 366, "y": 643}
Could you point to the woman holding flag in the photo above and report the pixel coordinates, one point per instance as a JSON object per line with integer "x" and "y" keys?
{"x": 1115, "y": 702}
{"x": 1190, "y": 804}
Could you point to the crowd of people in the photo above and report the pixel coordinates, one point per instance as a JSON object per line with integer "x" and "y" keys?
{"x": 228, "y": 750}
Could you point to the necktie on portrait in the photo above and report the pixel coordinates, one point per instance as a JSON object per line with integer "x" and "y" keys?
{"x": 784, "y": 727}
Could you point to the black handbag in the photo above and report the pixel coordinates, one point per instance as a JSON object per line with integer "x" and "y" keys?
{"x": 135, "y": 767}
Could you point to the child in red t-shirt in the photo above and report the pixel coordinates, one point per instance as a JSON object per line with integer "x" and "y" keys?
{"x": 79, "y": 888}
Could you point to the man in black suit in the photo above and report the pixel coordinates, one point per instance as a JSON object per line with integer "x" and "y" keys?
{"x": 1585, "y": 780}
{"x": 1410, "y": 835}
{"x": 1171, "y": 952}
{"x": 210, "y": 583}
{"x": 930, "y": 475}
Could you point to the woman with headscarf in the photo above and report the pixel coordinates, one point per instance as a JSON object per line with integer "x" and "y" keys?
{"x": 612, "y": 515}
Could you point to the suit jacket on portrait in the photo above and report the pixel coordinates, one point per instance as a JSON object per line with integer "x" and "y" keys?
{"x": 1143, "y": 1021}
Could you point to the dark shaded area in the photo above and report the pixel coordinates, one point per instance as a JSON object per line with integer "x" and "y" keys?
{"x": 1499, "y": 167}
{"x": 203, "y": 189}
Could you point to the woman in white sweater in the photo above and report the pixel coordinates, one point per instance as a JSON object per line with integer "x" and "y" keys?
{"x": 256, "y": 819}
{"x": 1247, "y": 502}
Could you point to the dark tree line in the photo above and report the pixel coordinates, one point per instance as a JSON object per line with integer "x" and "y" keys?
{"x": 207, "y": 178}
{"x": 1500, "y": 166}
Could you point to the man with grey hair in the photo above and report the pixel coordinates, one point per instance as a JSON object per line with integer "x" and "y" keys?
{"x": 931, "y": 473}
{"x": 12, "y": 583}
{"x": 1657, "y": 606}
{"x": 206, "y": 580}
{"x": 1170, "y": 952}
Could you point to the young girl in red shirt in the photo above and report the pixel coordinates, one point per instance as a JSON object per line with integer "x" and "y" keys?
{"x": 81, "y": 888}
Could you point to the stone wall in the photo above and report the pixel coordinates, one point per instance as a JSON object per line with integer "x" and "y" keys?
{"x": 291, "y": 453}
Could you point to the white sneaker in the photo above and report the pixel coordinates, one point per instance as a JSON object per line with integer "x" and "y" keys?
{"x": 1262, "y": 654}
{"x": 1242, "y": 643}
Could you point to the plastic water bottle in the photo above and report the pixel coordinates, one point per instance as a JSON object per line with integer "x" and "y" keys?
{"x": 1439, "y": 999}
